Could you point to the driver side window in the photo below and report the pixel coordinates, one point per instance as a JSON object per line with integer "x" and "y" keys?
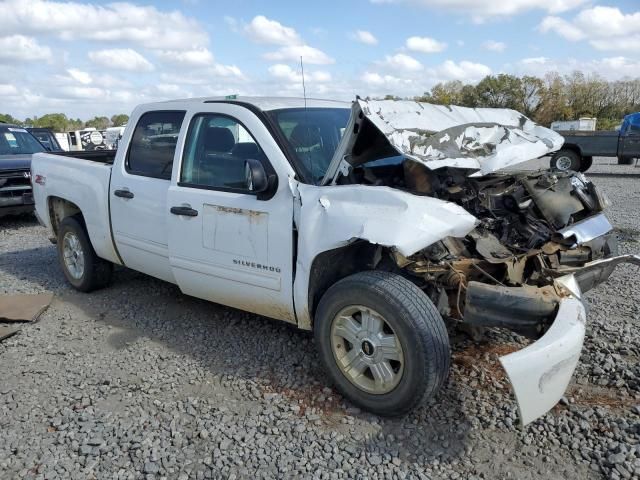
{"x": 215, "y": 153}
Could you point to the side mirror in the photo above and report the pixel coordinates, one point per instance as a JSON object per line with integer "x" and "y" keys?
{"x": 256, "y": 177}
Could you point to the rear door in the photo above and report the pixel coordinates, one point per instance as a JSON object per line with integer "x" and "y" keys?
{"x": 225, "y": 244}
{"x": 138, "y": 193}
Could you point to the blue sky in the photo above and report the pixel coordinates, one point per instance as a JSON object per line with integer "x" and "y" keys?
{"x": 100, "y": 58}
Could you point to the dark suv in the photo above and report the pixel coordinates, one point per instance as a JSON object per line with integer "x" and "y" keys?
{"x": 16, "y": 147}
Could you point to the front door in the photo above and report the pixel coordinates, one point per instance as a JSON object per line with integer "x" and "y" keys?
{"x": 630, "y": 139}
{"x": 225, "y": 244}
{"x": 138, "y": 194}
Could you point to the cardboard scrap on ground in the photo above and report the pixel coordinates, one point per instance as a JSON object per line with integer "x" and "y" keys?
{"x": 21, "y": 308}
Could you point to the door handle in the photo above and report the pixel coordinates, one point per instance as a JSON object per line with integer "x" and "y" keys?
{"x": 123, "y": 193}
{"x": 185, "y": 211}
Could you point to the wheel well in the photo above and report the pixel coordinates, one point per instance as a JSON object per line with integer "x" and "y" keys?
{"x": 59, "y": 209}
{"x": 570, "y": 146}
{"x": 333, "y": 265}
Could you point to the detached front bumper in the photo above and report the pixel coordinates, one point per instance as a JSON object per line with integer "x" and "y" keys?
{"x": 541, "y": 372}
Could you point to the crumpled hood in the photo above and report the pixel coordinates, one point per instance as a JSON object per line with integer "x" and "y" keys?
{"x": 480, "y": 139}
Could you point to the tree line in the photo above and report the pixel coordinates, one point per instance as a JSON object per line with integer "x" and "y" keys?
{"x": 59, "y": 122}
{"x": 544, "y": 100}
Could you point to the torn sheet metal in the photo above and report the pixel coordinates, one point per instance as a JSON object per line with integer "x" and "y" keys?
{"x": 480, "y": 139}
{"x": 333, "y": 216}
{"x": 586, "y": 230}
{"x": 541, "y": 372}
{"x": 23, "y": 307}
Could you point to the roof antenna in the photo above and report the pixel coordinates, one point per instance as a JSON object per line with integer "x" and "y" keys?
{"x": 306, "y": 119}
{"x": 304, "y": 90}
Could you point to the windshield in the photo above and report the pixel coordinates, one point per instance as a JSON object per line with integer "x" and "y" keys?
{"x": 313, "y": 135}
{"x": 46, "y": 139}
{"x": 17, "y": 141}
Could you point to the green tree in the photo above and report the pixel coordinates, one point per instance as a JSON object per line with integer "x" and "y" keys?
{"x": 76, "y": 124}
{"x": 99, "y": 123}
{"x": 500, "y": 91}
{"x": 532, "y": 90}
{"x": 119, "y": 120}
{"x": 55, "y": 121}
{"x": 6, "y": 118}
{"x": 553, "y": 101}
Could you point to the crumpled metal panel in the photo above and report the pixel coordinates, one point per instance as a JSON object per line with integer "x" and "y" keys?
{"x": 586, "y": 230}
{"x": 482, "y": 139}
{"x": 333, "y": 216}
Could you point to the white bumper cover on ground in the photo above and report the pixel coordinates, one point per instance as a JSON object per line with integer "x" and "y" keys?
{"x": 540, "y": 373}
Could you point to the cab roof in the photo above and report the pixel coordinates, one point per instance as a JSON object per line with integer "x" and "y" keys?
{"x": 263, "y": 103}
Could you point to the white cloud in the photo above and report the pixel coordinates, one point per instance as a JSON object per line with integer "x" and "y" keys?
{"x": 19, "y": 48}
{"x": 80, "y": 76}
{"x": 425, "y": 45}
{"x": 481, "y": 10}
{"x": 8, "y": 90}
{"x": 365, "y": 37}
{"x": 115, "y": 22}
{"x": 286, "y": 73}
{"x": 466, "y": 71}
{"x": 402, "y": 62}
{"x": 611, "y": 68}
{"x": 605, "y": 28}
{"x": 293, "y": 53}
{"x": 562, "y": 28}
{"x": 494, "y": 46}
{"x": 121, "y": 59}
{"x": 264, "y": 30}
{"x": 199, "y": 57}
{"x": 393, "y": 79}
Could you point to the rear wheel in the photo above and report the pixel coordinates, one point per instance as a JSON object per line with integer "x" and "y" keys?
{"x": 382, "y": 341}
{"x": 84, "y": 270}
{"x": 565, "y": 160}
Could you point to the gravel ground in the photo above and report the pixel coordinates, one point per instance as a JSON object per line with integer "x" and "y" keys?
{"x": 140, "y": 381}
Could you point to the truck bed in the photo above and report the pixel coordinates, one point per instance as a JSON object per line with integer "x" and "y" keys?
{"x": 100, "y": 156}
{"x": 599, "y": 143}
{"x": 82, "y": 179}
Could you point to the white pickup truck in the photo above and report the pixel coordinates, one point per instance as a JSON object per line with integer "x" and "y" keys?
{"x": 374, "y": 224}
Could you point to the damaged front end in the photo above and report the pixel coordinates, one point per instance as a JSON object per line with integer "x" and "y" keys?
{"x": 540, "y": 239}
{"x": 540, "y": 242}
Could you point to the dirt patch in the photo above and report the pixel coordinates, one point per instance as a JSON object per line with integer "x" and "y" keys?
{"x": 322, "y": 399}
{"x": 484, "y": 358}
{"x": 594, "y": 396}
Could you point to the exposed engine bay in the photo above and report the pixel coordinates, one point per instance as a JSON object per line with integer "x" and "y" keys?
{"x": 532, "y": 228}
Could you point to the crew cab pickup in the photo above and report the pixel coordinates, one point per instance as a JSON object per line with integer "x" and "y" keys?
{"x": 580, "y": 147}
{"x": 371, "y": 223}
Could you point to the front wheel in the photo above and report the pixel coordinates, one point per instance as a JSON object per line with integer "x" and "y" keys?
{"x": 382, "y": 341}
{"x": 84, "y": 270}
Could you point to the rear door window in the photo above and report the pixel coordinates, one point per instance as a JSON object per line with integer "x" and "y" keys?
{"x": 153, "y": 144}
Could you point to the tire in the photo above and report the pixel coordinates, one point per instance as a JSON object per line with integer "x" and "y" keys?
{"x": 585, "y": 164}
{"x": 565, "y": 160}
{"x": 84, "y": 270}
{"x": 625, "y": 160}
{"x": 408, "y": 315}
